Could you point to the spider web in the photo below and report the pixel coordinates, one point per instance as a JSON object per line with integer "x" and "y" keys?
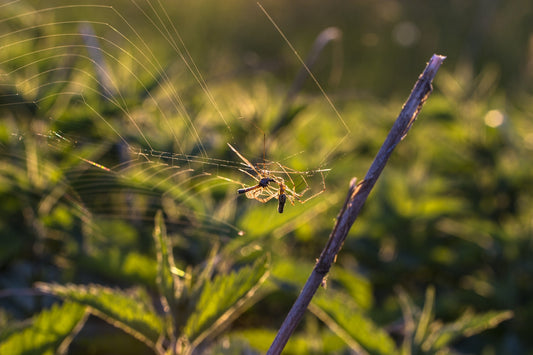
{"x": 154, "y": 130}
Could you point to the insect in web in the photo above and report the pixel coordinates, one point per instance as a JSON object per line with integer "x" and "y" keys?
{"x": 264, "y": 190}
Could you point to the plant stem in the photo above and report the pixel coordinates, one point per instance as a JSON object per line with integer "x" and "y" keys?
{"x": 357, "y": 195}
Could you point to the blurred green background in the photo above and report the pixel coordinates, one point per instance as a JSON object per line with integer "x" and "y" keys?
{"x": 452, "y": 209}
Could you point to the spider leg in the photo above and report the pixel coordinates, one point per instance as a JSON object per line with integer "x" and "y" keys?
{"x": 293, "y": 195}
{"x": 262, "y": 194}
{"x": 244, "y": 160}
{"x": 253, "y": 192}
{"x": 286, "y": 173}
{"x": 250, "y": 175}
{"x": 230, "y": 180}
{"x": 265, "y": 177}
{"x": 263, "y": 182}
{"x": 310, "y": 197}
{"x": 298, "y": 197}
{"x": 293, "y": 191}
{"x": 316, "y": 194}
{"x": 266, "y": 199}
{"x": 249, "y": 191}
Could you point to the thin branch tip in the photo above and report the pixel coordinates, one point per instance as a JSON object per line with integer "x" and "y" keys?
{"x": 436, "y": 60}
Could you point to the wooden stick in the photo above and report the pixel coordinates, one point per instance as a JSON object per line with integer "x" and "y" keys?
{"x": 357, "y": 195}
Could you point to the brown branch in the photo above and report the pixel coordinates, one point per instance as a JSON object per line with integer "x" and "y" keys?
{"x": 357, "y": 195}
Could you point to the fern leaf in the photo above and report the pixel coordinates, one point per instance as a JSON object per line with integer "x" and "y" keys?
{"x": 50, "y": 331}
{"x": 223, "y": 299}
{"x": 131, "y": 312}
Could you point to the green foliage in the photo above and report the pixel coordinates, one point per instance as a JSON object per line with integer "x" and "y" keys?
{"x": 131, "y": 311}
{"x": 92, "y": 148}
{"x": 114, "y": 262}
{"x": 225, "y": 298}
{"x": 309, "y": 341}
{"x": 349, "y": 322}
{"x": 425, "y": 335}
{"x": 467, "y": 325}
{"x": 357, "y": 287}
{"x": 168, "y": 283}
{"x": 219, "y": 301}
{"x": 49, "y": 330}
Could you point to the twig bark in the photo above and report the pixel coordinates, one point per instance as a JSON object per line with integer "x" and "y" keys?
{"x": 357, "y": 195}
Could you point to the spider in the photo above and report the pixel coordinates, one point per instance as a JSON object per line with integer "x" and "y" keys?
{"x": 263, "y": 191}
